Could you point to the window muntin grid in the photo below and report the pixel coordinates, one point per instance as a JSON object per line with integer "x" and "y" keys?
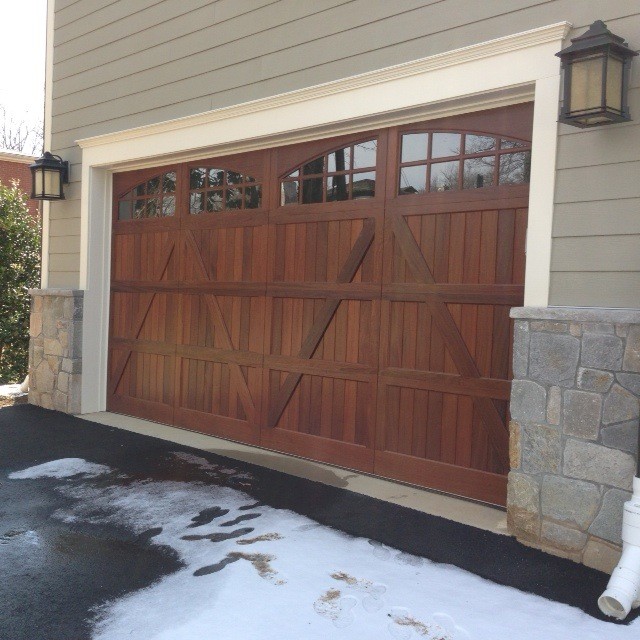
{"x": 213, "y": 190}
{"x": 154, "y": 198}
{"x": 347, "y": 173}
{"x": 438, "y": 161}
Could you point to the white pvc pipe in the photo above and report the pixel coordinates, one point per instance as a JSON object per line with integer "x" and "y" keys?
{"x": 623, "y": 591}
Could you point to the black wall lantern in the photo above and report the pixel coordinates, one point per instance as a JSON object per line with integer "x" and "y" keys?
{"x": 48, "y": 174}
{"x": 596, "y": 78}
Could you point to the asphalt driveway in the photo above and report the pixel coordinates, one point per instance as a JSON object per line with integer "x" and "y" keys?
{"x": 109, "y": 534}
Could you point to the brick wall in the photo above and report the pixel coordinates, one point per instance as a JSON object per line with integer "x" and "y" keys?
{"x": 19, "y": 170}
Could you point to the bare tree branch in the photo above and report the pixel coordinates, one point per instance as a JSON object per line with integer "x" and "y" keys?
{"x": 20, "y": 136}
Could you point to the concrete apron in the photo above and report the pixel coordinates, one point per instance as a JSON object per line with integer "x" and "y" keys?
{"x": 471, "y": 513}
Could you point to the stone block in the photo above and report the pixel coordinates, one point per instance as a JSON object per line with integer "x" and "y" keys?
{"x": 37, "y": 354}
{"x": 601, "y": 351}
{"x": 515, "y": 444}
{"x": 54, "y": 363}
{"x": 631, "y": 361}
{"x": 572, "y": 502}
{"x": 621, "y": 436}
{"x": 74, "y": 349}
{"x": 75, "y": 389}
{"x": 553, "y": 358}
{"x": 73, "y": 308}
{"x": 52, "y": 347}
{"x": 63, "y": 339}
{"x": 528, "y": 401}
{"x": 550, "y": 326}
{"x": 521, "y": 337}
{"x": 43, "y": 379}
{"x": 46, "y": 401}
{"x": 594, "y": 380}
{"x": 575, "y": 329}
{"x": 594, "y": 462}
{"x": 59, "y": 401}
{"x": 523, "y": 491}
{"x": 523, "y": 510}
{"x": 554, "y": 405}
{"x": 63, "y": 382}
{"x": 598, "y": 327}
{"x": 35, "y": 325}
{"x": 36, "y": 304}
{"x": 608, "y": 523}
{"x": 630, "y": 381}
{"x": 72, "y": 365}
{"x": 622, "y": 330}
{"x": 620, "y": 406}
{"x": 563, "y": 538}
{"x": 601, "y": 555}
{"x": 581, "y": 413}
{"x": 541, "y": 449}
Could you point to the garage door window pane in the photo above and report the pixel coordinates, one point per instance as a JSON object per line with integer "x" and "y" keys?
{"x": 364, "y": 185}
{"x": 414, "y": 146}
{"x": 289, "y": 192}
{"x": 478, "y": 172}
{"x": 169, "y": 182}
{"x": 339, "y": 160}
{"x": 168, "y": 205}
{"x": 197, "y": 178}
{"x": 413, "y": 180}
{"x": 445, "y": 144}
{"x": 338, "y": 187}
{"x": 312, "y": 190}
{"x": 444, "y": 176}
{"x": 364, "y": 154}
{"x": 195, "y": 203}
{"x": 252, "y": 197}
{"x": 214, "y": 201}
{"x": 478, "y": 144}
{"x": 515, "y": 167}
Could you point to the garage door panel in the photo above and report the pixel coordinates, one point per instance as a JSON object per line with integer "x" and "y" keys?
{"x": 315, "y": 252}
{"x": 232, "y": 323}
{"x": 145, "y": 385}
{"x": 145, "y": 257}
{"x": 227, "y": 254}
{"x": 350, "y": 335}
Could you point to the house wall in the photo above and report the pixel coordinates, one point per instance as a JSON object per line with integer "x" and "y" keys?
{"x": 114, "y": 68}
{"x": 16, "y": 167}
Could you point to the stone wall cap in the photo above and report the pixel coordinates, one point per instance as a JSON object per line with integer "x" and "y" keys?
{"x": 577, "y": 314}
{"x": 61, "y": 293}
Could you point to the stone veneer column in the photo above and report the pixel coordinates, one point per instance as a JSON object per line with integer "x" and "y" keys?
{"x": 55, "y": 349}
{"x": 574, "y": 429}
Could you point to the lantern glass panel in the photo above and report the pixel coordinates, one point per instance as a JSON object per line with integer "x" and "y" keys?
{"x": 38, "y": 179}
{"x": 614, "y": 83}
{"x": 586, "y": 84}
{"x": 52, "y": 183}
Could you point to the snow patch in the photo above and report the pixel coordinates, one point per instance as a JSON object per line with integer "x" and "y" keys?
{"x": 64, "y": 468}
{"x": 297, "y": 579}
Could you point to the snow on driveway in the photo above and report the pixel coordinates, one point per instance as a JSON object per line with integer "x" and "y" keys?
{"x": 257, "y": 573}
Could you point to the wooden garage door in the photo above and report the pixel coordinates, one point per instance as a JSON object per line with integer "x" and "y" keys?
{"x": 346, "y": 300}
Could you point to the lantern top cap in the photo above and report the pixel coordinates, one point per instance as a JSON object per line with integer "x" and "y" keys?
{"x": 48, "y": 160}
{"x": 597, "y": 36}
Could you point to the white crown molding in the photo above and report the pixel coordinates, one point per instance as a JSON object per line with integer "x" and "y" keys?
{"x": 507, "y": 44}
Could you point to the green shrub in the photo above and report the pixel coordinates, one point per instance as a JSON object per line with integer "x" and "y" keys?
{"x": 19, "y": 271}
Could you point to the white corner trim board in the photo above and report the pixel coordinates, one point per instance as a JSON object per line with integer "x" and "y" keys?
{"x": 509, "y": 70}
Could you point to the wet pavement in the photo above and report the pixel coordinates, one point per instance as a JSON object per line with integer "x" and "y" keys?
{"x": 63, "y": 555}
